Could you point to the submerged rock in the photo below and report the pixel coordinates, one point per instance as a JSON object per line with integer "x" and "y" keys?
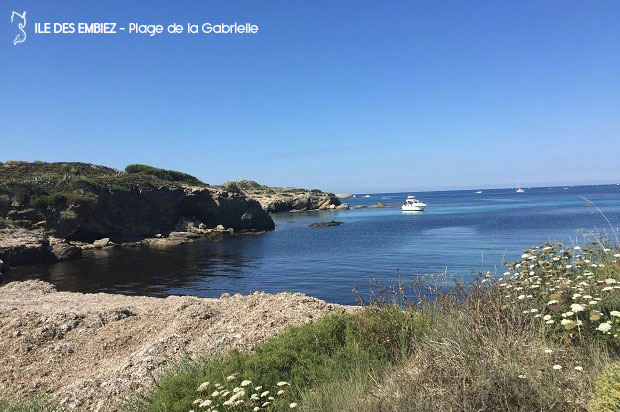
{"x": 376, "y": 206}
{"x": 326, "y": 224}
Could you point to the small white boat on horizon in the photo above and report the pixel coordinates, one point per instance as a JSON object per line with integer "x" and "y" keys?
{"x": 366, "y": 196}
{"x": 479, "y": 192}
{"x": 520, "y": 190}
{"x": 413, "y": 205}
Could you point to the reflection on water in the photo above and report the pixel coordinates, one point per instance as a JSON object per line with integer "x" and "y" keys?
{"x": 461, "y": 231}
{"x": 191, "y": 268}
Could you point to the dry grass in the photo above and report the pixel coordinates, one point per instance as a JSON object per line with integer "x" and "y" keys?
{"x": 492, "y": 348}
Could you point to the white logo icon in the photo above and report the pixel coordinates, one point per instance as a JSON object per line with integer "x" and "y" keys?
{"x": 21, "y": 37}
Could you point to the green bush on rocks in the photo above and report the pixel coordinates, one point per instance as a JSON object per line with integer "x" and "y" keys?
{"x": 163, "y": 174}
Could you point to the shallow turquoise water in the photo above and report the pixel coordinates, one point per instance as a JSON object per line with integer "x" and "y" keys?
{"x": 459, "y": 231}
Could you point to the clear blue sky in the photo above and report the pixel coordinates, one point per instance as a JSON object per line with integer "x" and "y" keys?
{"x": 350, "y": 96}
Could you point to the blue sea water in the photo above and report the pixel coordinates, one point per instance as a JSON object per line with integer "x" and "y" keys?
{"x": 459, "y": 232}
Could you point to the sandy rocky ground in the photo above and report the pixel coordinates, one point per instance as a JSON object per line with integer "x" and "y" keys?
{"x": 90, "y": 350}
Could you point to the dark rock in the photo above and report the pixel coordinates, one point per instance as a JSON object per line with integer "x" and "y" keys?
{"x": 24, "y": 247}
{"x": 326, "y": 224}
{"x": 21, "y": 246}
{"x": 4, "y": 268}
{"x": 376, "y": 206}
{"x": 63, "y": 250}
{"x": 28, "y": 214}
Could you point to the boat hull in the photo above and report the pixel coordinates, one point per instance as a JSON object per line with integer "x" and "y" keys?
{"x": 412, "y": 208}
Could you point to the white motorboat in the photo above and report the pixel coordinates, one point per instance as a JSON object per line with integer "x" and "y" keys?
{"x": 520, "y": 190}
{"x": 412, "y": 205}
{"x": 367, "y": 196}
{"x": 479, "y": 192}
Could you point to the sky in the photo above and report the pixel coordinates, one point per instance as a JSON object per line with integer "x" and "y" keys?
{"x": 345, "y": 96}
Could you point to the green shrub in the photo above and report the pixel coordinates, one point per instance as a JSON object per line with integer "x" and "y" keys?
{"x": 49, "y": 203}
{"x": 163, "y": 174}
{"x": 308, "y": 356}
{"x": 607, "y": 390}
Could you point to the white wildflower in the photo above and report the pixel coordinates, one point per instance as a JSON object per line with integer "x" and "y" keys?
{"x": 604, "y": 327}
{"x": 576, "y": 307}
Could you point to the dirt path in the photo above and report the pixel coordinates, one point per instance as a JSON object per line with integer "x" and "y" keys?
{"x": 89, "y": 350}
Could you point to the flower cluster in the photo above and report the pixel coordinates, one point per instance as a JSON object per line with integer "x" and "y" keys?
{"x": 568, "y": 289}
{"x": 237, "y": 395}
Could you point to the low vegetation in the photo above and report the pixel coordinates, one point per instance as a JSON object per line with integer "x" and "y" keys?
{"x": 544, "y": 336}
{"x": 607, "y": 389}
{"x": 306, "y": 358}
{"x": 38, "y": 403}
{"x": 163, "y": 174}
{"x": 486, "y": 347}
{"x": 50, "y": 187}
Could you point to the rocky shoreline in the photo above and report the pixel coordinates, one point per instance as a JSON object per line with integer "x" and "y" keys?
{"x": 88, "y": 351}
{"x": 20, "y": 246}
{"x": 285, "y": 199}
{"x": 55, "y": 211}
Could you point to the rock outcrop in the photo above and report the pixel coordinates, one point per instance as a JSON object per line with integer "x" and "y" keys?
{"x": 78, "y": 201}
{"x": 23, "y": 246}
{"x": 283, "y": 199}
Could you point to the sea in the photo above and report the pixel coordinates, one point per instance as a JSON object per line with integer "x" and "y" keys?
{"x": 460, "y": 233}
